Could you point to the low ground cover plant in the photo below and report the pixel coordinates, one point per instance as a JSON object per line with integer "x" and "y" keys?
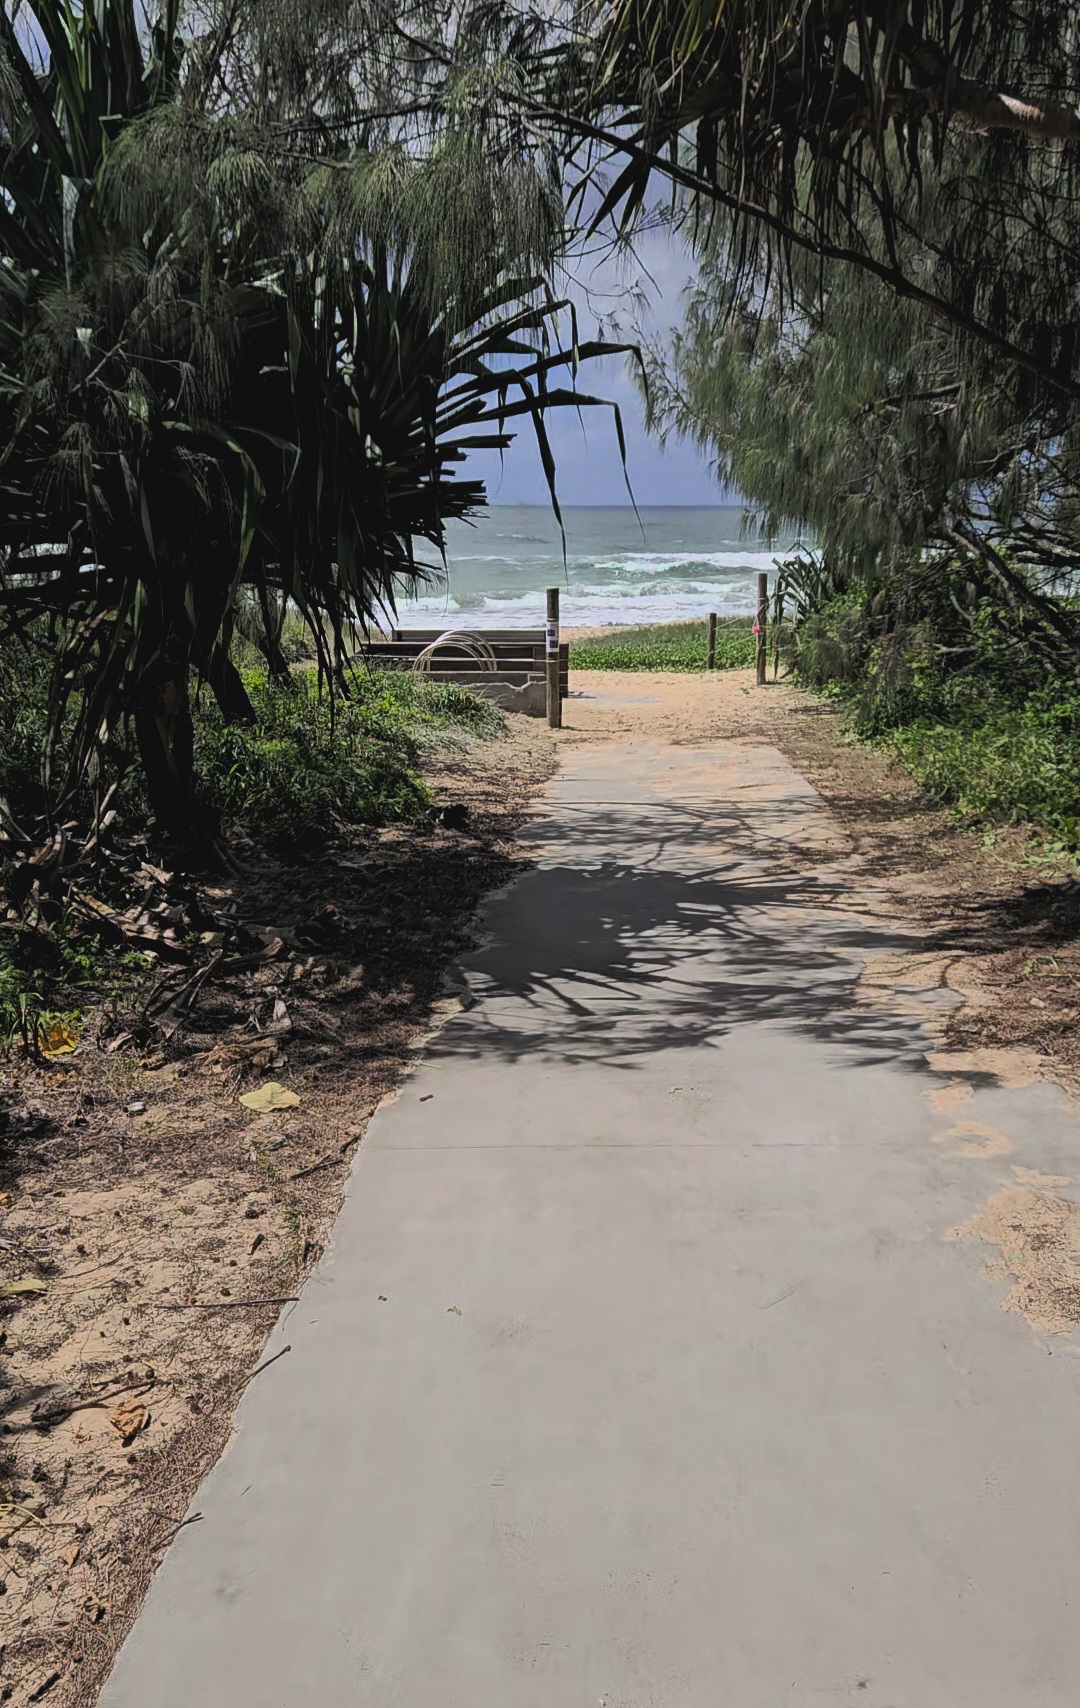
{"x": 667, "y": 646}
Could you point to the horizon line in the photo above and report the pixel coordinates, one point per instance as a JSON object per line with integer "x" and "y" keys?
{"x": 535, "y": 504}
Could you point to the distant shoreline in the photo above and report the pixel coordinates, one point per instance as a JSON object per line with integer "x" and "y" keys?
{"x": 629, "y": 508}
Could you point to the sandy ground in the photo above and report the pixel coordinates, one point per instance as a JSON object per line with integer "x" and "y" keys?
{"x": 146, "y": 1211}
{"x": 671, "y": 705}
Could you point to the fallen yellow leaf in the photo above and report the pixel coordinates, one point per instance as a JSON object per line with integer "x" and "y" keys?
{"x": 57, "y": 1039}
{"x": 268, "y": 1097}
{"x": 28, "y": 1284}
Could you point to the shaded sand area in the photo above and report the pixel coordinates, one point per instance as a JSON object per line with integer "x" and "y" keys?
{"x": 657, "y": 1358}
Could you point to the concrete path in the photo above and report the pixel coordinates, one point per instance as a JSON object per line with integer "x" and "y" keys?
{"x": 643, "y": 1372}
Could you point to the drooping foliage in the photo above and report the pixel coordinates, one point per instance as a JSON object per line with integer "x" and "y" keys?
{"x": 940, "y": 603}
{"x": 895, "y": 446}
{"x": 816, "y": 126}
{"x": 881, "y": 346}
{"x": 829, "y": 402}
{"x": 261, "y": 289}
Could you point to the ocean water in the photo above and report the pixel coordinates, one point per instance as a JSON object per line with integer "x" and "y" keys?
{"x": 660, "y": 566}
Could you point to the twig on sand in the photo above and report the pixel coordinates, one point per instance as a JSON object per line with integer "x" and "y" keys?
{"x": 170, "y": 1536}
{"x": 57, "y": 1414}
{"x": 327, "y": 1162}
{"x": 223, "y": 1304}
{"x": 267, "y": 1363}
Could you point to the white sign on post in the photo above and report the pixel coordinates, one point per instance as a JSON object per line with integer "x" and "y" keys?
{"x": 553, "y": 637}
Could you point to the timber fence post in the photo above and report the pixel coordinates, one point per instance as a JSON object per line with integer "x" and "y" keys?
{"x": 761, "y": 624}
{"x": 554, "y": 697}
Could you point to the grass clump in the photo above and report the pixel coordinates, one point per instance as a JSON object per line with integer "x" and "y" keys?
{"x": 310, "y": 765}
{"x": 51, "y": 966}
{"x": 668, "y": 646}
{"x": 24, "y": 714}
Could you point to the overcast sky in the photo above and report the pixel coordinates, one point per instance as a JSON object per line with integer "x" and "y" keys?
{"x": 587, "y": 451}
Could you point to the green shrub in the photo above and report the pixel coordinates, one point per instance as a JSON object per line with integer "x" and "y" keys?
{"x": 1002, "y": 764}
{"x": 307, "y": 766}
{"x": 23, "y": 719}
{"x": 427, "y": 704}
{"x": 667, "y": 646}
{"x": 310, "y": 764}
{"x": 968, "y": 710}
{"x": 48, "y": 977}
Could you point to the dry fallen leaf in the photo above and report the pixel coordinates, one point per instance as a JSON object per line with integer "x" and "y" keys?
{"x": 268, "y": 1097}
{"x": 70, "y": 1556}
{"x": 27, "y": 1284}
{"x": 128, "y": 1419}
{"x": 57, "y": 1039}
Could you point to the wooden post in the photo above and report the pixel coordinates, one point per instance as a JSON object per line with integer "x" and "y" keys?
{"x": 554, "y": 698}
{"x": 710, "y": 656}
{"x": 761, "y": 624}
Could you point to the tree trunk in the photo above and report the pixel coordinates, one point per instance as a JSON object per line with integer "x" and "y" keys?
{"x": 166, "y": 742}
{"x": 276, "y": 662}
{"x": 227, "y": 687}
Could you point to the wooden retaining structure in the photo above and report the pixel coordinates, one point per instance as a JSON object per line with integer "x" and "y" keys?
{"x": 520, "y": 656}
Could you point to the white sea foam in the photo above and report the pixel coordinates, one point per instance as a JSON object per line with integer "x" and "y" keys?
{"x": 587, "y": 606}
{"x": 689, "y": 562}
{"x": 644, "y": 563}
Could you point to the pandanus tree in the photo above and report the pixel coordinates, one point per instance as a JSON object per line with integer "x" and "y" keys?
{"x": 240, "y": 358}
